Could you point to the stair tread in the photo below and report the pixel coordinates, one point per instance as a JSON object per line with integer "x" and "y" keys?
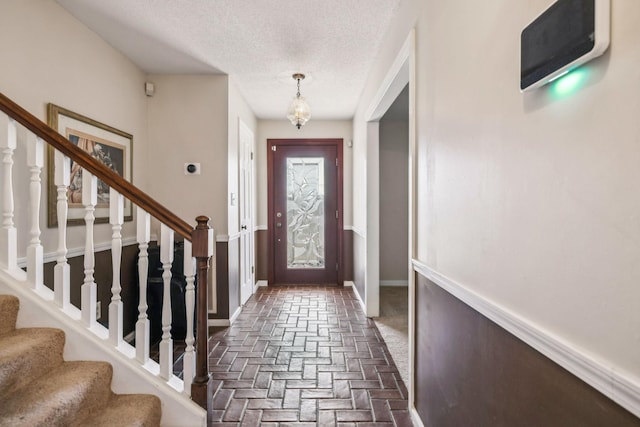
{"x": 9, "y": 306}
{"x": 28, "y": 353}
{"x": 72, "y": 391}
{"x": 127, "y": 410}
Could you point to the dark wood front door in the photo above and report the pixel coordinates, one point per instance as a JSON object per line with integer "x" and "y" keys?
{"x": 305, "y": 211}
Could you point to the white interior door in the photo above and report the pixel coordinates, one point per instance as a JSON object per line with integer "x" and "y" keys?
{"x": 245, "y": 197}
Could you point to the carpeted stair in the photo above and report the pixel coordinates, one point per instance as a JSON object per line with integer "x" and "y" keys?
{"x": 38, "y": 388}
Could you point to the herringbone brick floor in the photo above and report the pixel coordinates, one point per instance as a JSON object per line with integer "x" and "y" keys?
{"x": 304, "y": 356}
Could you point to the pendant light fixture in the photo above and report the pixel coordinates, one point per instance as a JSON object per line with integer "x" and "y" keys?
{"x": 299, "y": 112}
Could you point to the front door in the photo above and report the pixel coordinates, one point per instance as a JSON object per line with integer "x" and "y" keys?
{"x": 305, "y": 211}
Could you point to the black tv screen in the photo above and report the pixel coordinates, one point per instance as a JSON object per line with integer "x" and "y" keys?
{"x": 565, "y": 32}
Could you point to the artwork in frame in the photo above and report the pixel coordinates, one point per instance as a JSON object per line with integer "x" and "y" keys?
{"x": 110, "y": 146}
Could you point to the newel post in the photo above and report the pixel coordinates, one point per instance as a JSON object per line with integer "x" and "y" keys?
{"x": 202, "y": 243}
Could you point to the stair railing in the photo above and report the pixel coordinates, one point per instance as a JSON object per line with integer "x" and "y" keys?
{"x": 198, "y": 249}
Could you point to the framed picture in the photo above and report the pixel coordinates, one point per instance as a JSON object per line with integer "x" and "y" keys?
{"x": 110, "y": 146}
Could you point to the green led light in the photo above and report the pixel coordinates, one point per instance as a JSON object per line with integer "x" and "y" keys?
{"x": 569, "y": 83}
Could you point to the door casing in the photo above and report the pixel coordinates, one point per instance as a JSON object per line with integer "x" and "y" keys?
{"x": 245, "y": 201}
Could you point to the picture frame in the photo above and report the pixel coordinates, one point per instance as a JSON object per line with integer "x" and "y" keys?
{"x": 111, "y": 146}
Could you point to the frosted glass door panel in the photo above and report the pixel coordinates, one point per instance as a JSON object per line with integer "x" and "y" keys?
{"x": 305, "y": 213}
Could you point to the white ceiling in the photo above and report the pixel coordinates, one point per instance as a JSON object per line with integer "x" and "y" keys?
{"x": 260, "y": 43}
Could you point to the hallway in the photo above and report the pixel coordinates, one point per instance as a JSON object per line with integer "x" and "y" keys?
{"x": 306, "y": 356}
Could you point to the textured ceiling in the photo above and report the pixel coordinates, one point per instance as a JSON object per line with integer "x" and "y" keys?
{"x": 260, "y": 43}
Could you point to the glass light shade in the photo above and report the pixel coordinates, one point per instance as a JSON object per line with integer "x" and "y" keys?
{"x": 299, "y": 112}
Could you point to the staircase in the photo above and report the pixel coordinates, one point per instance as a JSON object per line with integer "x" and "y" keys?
{"x": 37, "y": 387}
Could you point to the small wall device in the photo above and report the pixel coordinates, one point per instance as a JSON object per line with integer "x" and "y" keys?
{"x": 566, "y": 35}
{"x": 192, "y": 168}
{"x": 149, "y": 89}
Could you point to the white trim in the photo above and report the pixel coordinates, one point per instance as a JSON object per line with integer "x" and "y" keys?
{"x": 359, "y": 232}
{"x": 218, "y": 322}
{"x": 372, "y": 254}
{"x": 355, "y": 291}
{"x": 260, "y": 227}
{"x": 410, "y": 43}
{"x": 348, "y": 284}
{"x": 235, "y": 315}
{"x": 227, "y": 237}
{"x": 415, "y": 417}
{"x": 130, "y": 337}
{"x": 225, "y": 322}
{"x": 76, "y": 252}
{"x": 397, "y": 283}
{"x": 394, "y": 81}
{"x": 260, "y": 284}
{"x": 621, "y": 387}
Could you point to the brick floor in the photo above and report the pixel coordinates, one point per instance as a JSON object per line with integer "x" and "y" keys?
{"x": 304, "y": 356}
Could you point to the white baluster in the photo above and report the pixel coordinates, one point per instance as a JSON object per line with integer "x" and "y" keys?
{"x": 61, "y": 272}
{"x": 89, "y": 288}
{"x": 143, "y": 220}
{"x": 166, "y": 345}
{"x": 189, "y": 359}
{"x": 116, "y": 218}
{"x": 35, "y": 161}
{"x": 8, "y": 236}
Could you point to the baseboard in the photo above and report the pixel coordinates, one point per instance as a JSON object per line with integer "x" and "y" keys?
{"x": 348, "y": 284}
{"x": 235, "y": 315}
{"x": 399, "y": 283}
{"x": 415, "y": 417}
{"x": 218, "y": 322}
{"x": 225, "y": 322}
{"x": 259, "y": 284}
{"x": 624, "y": 389}
{"x": 355, "y": 291}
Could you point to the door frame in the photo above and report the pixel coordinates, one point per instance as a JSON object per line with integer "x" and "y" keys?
{"x": 400, "y": 73}
{"x": 338, "y": 143}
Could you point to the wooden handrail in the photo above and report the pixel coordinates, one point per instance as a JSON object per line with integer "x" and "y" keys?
{"x": 98, "y": 169}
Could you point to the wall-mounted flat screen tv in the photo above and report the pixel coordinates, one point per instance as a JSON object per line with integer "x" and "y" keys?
{"x": 566, "y": 35}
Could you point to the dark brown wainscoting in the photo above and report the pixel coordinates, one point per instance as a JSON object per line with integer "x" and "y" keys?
{"x": 103, "y": 277}
{"x": 262, "y": 254}
{"x": 472, "y": 372}
{"x": 222, "y": 281}
{"x": 347, "y": 254}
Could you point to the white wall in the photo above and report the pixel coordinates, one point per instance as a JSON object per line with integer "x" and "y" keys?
{"x": 48, "y": 56}
{"x": 394, "y": 199}
{"x": 526, "y": 199}
{"x": 283, "y": 129}
{"x": 188, "y": 123}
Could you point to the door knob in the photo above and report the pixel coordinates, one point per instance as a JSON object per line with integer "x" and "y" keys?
{"x": 244, "y": 227}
